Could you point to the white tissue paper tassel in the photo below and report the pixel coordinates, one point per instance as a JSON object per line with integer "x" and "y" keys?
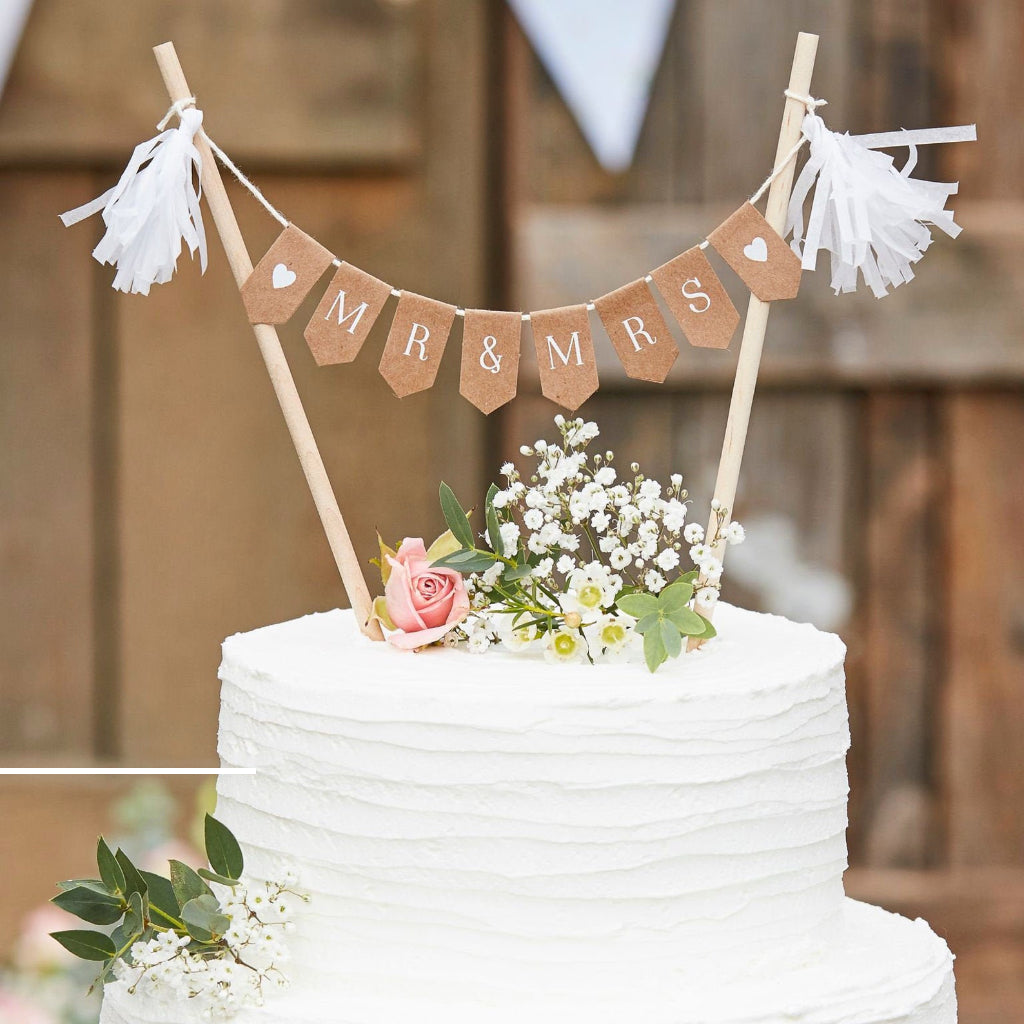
{"x": 870, "y": 216}
{"x": 152, "y": 209}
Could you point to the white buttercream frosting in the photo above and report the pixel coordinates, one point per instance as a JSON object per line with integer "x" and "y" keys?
{"x": 489, "y": 837}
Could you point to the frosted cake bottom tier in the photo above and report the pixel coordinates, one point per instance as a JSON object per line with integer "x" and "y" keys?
{"x": 877, "y": 968}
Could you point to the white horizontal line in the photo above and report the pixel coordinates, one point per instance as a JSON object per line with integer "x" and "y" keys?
{"x": 127, "y": 771}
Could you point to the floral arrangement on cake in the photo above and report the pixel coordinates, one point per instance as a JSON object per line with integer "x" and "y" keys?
{"x": 577, "y": 560}
{"x": 206, "y": 935}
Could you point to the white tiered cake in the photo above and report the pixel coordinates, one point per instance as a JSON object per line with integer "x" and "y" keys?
{"x": 496, "y": 839}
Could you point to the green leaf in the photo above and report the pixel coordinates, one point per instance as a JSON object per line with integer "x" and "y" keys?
{"x": 676, "y": 595}
{"x": 122, "y": 938}
{"x": 467, "y": 561}
{"x": 379, "y": 611}
{"x": 110, "y": 870}
{"x": 688, "y": 621}
{"x": 212, "y": 876}
{"x": 203, "y": 918}
{"x": 491, "y": 515}
{"x": 86, "y": 944}
{"x": 708, "y": 632}
{"x": 162, "y": 900}
{"x": 654, "y": 649}
{"x": 385, "y": 565}
{"x": 455, "y": 517}
{"x": 135, "y": 918}
{"x": 671, "y": 639}
{"x": 186, "y": 883}
{"x": 222, "y": 849}
{"x": 689, "y": 577}
{"x": 637, "y": 605}
{"x": 86, "y": 883}
{"x": 91, "y": 906}
{"x": 446, "y": 544}
{"x": 649, "y": 621}
{"x": 516, "y": 572}
{"x": 133, "y": 881}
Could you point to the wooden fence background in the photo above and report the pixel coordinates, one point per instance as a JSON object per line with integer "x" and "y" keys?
{"x": 150, "y": 503}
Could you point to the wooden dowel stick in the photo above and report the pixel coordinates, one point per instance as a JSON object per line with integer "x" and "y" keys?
{"x": 754, "y": 327}
{"x": 277, "y": 366}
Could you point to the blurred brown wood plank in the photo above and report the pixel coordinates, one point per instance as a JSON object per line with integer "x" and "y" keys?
{"x": 982, "y": 752}
{"x": 218, "y": 530}
{"x": 711, "y": 127}
{"x": 980, "y": 913}
{"x": 956, "y": 324}
{"x": 977, "y": 67}
{"x": 280, "y": 81}
{"x": 902, "y": 606}
{"x": 51, "y": 823}
{"x": 47, "y": 417}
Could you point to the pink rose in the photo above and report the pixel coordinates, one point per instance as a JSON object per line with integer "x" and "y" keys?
{"x": 424, "y": 603}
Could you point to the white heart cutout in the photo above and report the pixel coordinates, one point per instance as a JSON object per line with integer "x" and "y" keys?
{"x": 282, "y": 276}
{"x": 757, "y": 250}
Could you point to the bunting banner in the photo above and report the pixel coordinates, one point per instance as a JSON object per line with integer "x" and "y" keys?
{"x": 873, "y": 218}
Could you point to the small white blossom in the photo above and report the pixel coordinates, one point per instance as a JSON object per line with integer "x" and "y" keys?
{"x": 734, "y": 533}
{"x": 694, "y": 533}
{"x": 674, "y": 515}
{"x": 667, "y": 560}
{"x": 711, "y": 568}
{"x": 619, "y": 558}
{"x": 707, "y": 596}
{"x": 565, "y": 645}
{"x": 478, "y": 642}
{"x": 605, "y": 476}
{"x": 534, "y": 519}
{"x": 542, "y": 570}
{"x": 700, "y": 553}
{"x": 566, "y": 564}
{"x": 654, "y": 581}
{"x": 599, "y": 521}
{"x": 509, "y": 535}
{"x": 490, "y": 576}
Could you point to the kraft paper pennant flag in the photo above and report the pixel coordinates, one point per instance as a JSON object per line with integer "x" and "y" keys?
{"x": 350, "y": 307}
{"x": 490, "y": 357}
{"x": 565, "y": 355}
{"x": 284, "y": 277}
{"x": 638, "y": 331}
{"x": 748, "y": 243}
{"x": 419, "y": 333}
{"x": 699, "y": 302}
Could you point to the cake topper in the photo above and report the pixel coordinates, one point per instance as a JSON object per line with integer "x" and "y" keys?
{"x": 871, "y": 217}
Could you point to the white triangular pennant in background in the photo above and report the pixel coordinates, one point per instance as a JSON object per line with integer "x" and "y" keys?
{"x": 13, "y": 15}
{"x": 602, "y": 55}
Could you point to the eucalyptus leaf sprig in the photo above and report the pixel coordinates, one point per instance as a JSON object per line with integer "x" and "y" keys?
{"x": 178, "y": 933}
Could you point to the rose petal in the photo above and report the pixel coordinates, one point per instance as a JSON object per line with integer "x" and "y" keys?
{"x": 412, "y": 554}
{"x": 398, "y": 597}
{"x": 410, "y": 641}
{"x": 460, "y": 603}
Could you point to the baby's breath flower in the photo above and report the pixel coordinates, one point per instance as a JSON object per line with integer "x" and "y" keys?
{"x": 619, "y": 558}
{"x": 667, "y": 560}
{"x": 654, "y": 581}
{"x": 700, "y": 553}
{"x": 734, "y": 533}
{"x": 711, "y": 568}
{"x": 694, "y": 533}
